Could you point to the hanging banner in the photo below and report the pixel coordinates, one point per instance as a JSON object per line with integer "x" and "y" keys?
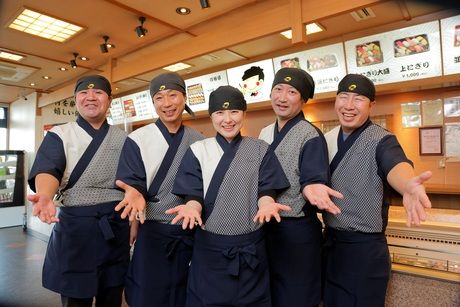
{"x": 325, "y": 64}
{"x": 199, "y": 88}
{"x": 450, "y": 30}
{"x": 406, "y": 54}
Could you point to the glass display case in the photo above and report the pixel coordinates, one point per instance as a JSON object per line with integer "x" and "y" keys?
{"x": 11, "y": 178}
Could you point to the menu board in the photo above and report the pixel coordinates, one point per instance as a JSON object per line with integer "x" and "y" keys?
{"x": 325, "y": 64}
{"x": 199, "y": 88}
{"x": 253, "y": 80}
{"x": 131, "y": 108}
{"x": 406, "y": 54}
{"x": 450, "y": 30}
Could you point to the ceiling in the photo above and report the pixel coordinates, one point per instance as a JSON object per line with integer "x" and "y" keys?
{"x": 226, "y": 34}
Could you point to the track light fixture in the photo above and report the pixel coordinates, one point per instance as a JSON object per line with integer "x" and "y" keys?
{"x": 204, "y": 4}
{"x": 140, "y": 30}
{"x": 73, "y": 63}
{"x": 106, "y": 45}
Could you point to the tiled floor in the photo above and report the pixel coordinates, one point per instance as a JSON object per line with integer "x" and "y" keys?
{"x": 21, "y": 260}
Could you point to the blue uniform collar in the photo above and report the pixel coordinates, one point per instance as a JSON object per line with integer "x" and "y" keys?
{"x": 226, "y": 145}
{"x": 83, "y": 123}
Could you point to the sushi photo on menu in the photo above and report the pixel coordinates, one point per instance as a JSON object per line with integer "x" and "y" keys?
{"x": 411, "y": 45}
{"x": 369, "y": 54}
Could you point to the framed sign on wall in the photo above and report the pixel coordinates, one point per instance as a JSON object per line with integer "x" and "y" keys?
{"x": 430, "y": 140}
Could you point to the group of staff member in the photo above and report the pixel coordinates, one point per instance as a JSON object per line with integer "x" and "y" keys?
{"x": 228, "y": 220}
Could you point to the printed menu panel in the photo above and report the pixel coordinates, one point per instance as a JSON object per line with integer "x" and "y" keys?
{"x": 406, "y": 54}
{"x": 325, "y": 64}
{"x": 253, "y": 80}
{"x": 116, "y": 114}
{"x": 131, "y": 108}
{"x": 450, "y": 30}
{"x": 199, "y": 88}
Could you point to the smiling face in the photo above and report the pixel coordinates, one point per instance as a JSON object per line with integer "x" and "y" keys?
{"x": 286, "y": 102}
{"x": 169, "y": 105}
{"x": 228, "y": 123}
{"x": 353, "y": 110}
{"x": 92, "y": 105}
{"x": 253, "y": 84}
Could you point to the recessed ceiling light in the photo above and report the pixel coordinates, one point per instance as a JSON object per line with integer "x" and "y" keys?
{"x": 44, "y": 26}
{"x": 46, "y": 77}
{"x": 177, "y": 66}
{"x": 62, "y": 68}
{"x": 309, "y": 29}
{"x": 182, "y": 10}
{"x": 10, "y": 56}
{"x": 83, "y": 58}
{"x": 32, "y": 84}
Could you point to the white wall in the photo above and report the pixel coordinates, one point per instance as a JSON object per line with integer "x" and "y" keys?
{"x": 21, "y": 137}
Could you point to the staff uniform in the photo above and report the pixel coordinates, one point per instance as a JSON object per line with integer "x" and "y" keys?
{"x": 88, "y": 250}
{"x": 358, "y": 262}
{"x": 294, "y": 244}
{"x": 157, "y": 274}
{"x": 229, "y": 265}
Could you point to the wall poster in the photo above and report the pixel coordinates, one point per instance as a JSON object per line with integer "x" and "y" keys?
{"x": 253, "y": 80}
{"x": 410, "y": 114}
{"x": 432, "y": 114}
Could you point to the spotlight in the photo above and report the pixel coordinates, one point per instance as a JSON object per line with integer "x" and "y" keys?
{"x": 204, "y": 4}
{"x": 183, "y": 10}
{"x": 73, "y": 63}
{"x": 106, "y": 45}
{"x": 140, "y": 30}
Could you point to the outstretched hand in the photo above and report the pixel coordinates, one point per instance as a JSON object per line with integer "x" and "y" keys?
{"x": 189, "y": 214}
{"x": 415, "y": 199}
{"x": 133, "y": 204}
{"x": 43, "y": 207}
{"x": 319, "y": 195}
{"x": 269, "y": 209}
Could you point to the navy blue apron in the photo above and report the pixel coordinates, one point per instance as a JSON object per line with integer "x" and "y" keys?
{"x": 295, "y": 278}
{"x": 357, "y": 269}
{"x": 158, "y": 272}
{"x": 229, "y": 271}
{"x": 88, "y": 250}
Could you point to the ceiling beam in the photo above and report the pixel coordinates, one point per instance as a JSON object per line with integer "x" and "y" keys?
{"x": 298, "y": 29}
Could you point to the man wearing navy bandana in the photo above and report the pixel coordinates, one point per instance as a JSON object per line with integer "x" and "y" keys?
{"x": 294, "y": 244}
{"x": 149, "y": 161}
{"x": 366, "y": 162}
{"x": 88, "y": 251}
